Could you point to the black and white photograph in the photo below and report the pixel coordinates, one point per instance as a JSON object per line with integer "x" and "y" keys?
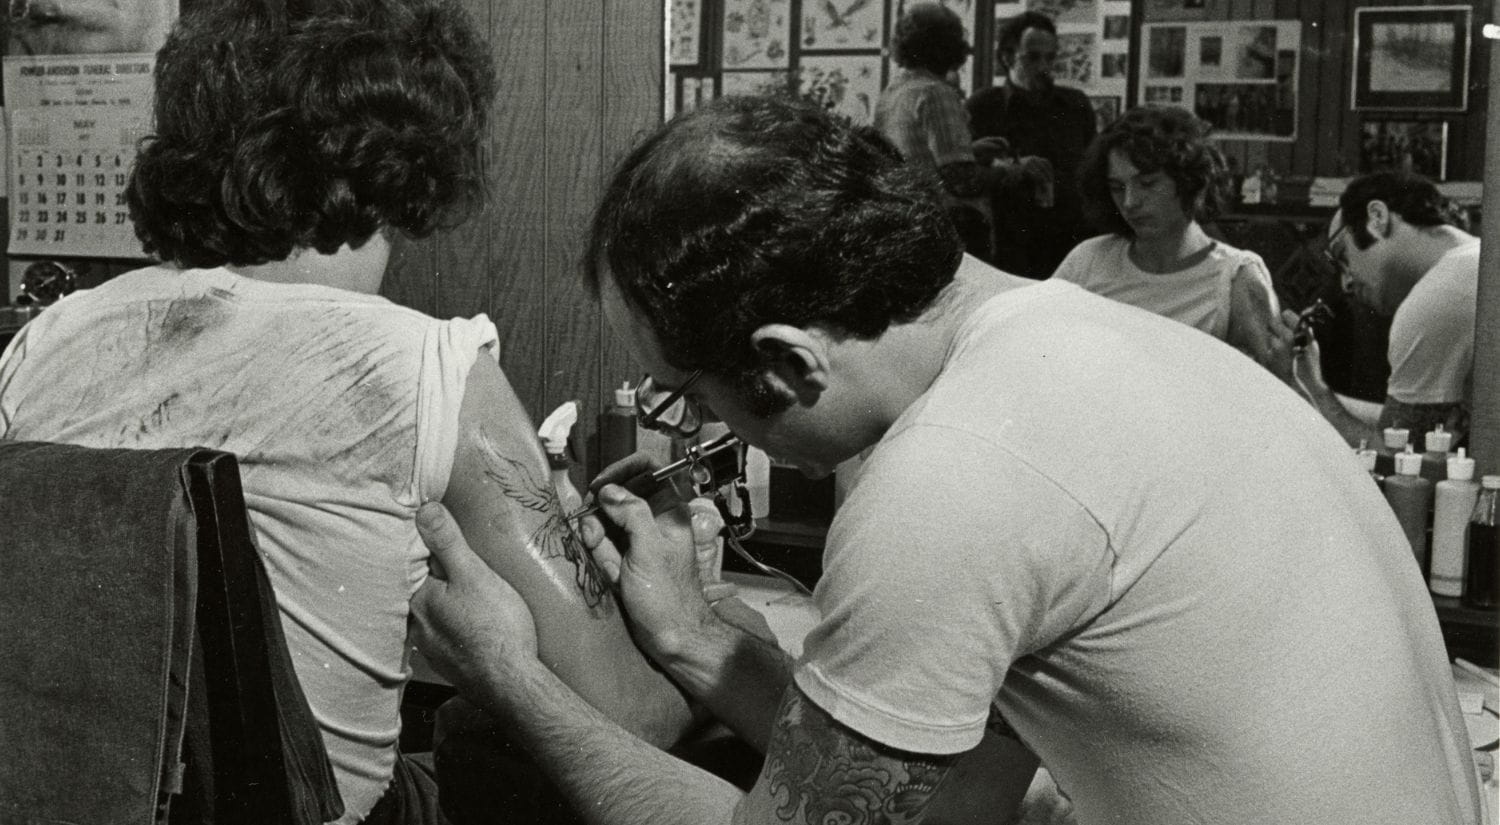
{"x": 1414, "y": 58}
{"x": 1419, "y": 146}
{"x": 692, "y": 412}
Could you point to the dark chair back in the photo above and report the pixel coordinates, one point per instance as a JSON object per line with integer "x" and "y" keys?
{"x": 143, "y": 672}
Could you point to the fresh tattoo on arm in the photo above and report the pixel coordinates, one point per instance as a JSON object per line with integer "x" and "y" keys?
{"x": 555, "y": 536}
{"x": 819, "y": 770}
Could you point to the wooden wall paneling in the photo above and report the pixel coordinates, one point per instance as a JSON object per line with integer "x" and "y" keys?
{"x": 517, "y": 216}
{"x": 1332, "y": 101}
{"x": 460, "y": 257}
{"x": 411, "y": 276}
{"x": 631, "y": 99}
{"x": 1298, "y": 159}
{"x": 569, "y": 339}
{"x": 415, "y": 277}
{"x": 1466, "y": 133}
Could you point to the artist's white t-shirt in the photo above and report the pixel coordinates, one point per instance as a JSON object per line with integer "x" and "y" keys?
{"x": 342, "y": 410}
{"x": 1167, "y": 570}
{"x": 1198, "y": 296}
{"x": 1431, "y": 344}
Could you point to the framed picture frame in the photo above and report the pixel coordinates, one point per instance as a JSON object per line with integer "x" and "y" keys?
{"x": 1412, "y": 58}
{"x": 1106, "y": 109}
{"x": 684, "y": 33}
{"x": 1407, "y": 144}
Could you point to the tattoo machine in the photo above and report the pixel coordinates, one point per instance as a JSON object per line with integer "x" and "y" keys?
{"x": 701, "y": 471}
{"x": 1317, "y": 313}
{"x": 706, "y": 470}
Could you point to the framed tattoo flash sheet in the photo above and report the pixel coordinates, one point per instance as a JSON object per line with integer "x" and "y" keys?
{"x": 1240, "y": 76}
{"x": 1413, "y": 58}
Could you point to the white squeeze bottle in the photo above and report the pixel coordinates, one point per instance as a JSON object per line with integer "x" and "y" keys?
{"x": 1450, "y": 524}
{"x": 554, "y": 434}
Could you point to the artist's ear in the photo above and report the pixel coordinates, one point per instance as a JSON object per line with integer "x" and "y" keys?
{"x": 793, "y": 359}
{"x": 1378, "y": 219}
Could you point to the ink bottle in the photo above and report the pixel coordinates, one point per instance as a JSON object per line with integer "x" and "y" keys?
{"x": 1480, "y": 581}
{"x": 1453, "y": 507}
{"x": 1410, "y": 497}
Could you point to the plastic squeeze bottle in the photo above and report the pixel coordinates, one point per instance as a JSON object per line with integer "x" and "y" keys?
{"x": 554, "y": 434}
{"x": 1455, "y": 497}
{"x": 1410, "y": 496}
{"x": 617, "y": 427}
{"x": 1482, "y": 581}
{"x": 1438, "y": 442}
{"x": 1396, "y": 438}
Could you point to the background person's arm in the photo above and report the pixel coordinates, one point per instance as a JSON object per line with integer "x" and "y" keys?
{"x": 501, "y": 495}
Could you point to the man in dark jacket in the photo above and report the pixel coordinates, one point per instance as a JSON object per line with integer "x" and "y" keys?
{"x": 1035, "y": 117}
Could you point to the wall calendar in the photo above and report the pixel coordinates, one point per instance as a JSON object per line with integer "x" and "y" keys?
{"x": 74, "y": 122}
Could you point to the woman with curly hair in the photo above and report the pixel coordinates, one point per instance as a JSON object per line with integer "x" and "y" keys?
{"x": 1148, "y": 178}
{"x": 292, "y": 142}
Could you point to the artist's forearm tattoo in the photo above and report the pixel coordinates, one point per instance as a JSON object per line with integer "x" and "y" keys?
{"x": 820, "y": 771}
{"x": 555, "y": 536}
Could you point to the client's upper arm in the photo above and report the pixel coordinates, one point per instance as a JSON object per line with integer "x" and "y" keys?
{"x": 502, "y": 497}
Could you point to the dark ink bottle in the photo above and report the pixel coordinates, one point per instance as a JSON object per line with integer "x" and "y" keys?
{"x": 1482, "y": 580}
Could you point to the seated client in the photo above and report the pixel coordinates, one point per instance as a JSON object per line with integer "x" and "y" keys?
{"x": 1148, "y": 178}
{"x": 291, "y": 144}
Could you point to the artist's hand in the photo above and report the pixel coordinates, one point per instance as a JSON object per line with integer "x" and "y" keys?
{"x": 1307, "y": 361}
{"x": 658, "y": 577}
{"x": 469, "y": 622}
{"x": 625, "y": 469}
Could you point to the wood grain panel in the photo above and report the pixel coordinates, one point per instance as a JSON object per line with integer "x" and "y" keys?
{"x": 460, "y": 256}
{"x": 517, "y": 217}
{"x": 570, "y": 339}
{"x": 633, "y": 78}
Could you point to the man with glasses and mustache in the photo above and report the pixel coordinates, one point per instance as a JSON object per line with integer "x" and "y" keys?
{"x": 1396, "y": 250}
{"x": 1070, "y": 510}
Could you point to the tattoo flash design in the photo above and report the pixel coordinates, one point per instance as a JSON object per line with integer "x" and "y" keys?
{"x": 830, "y": 774}
{"x": 555, "y": 536}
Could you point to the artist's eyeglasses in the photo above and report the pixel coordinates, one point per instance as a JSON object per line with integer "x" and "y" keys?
{"x": 1333, "y": 252}
{"x": 668, "y": 411}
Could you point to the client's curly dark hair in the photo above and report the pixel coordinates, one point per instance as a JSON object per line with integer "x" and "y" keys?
{"x": 310, "y": 125}
{"x": 1163, "y": 139}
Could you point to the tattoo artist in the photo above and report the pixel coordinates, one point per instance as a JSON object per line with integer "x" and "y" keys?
{"x": 1070, "y": 510}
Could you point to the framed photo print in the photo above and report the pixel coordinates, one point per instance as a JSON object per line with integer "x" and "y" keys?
{"x": 1419, "y": 146}
{"x": 684, "y": 32}
{"x": 1240, "y": 76}
{"x": 1106, "y": 109}
{"x": 1412, "y": 58}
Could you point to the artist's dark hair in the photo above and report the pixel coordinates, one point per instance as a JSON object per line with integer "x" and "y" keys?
{"x": 1163, "y": 139}
{"x": 1008, "y": 39}
{"x": 309, "y": 124}
{"x": 929, "y": 36}
{"x": 1410, "y": 195}
{"x": 759, "y": 210}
